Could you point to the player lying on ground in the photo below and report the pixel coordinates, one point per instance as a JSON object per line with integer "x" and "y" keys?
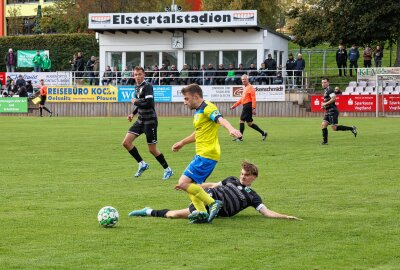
{"x": 236, "y": 195}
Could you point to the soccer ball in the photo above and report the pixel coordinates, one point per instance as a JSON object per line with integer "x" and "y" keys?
{"x": 108, "y": 216}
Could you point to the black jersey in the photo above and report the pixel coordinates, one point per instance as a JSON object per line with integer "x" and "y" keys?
{"x": 235, "y": 197}
{"x": 328, "y": 94}
{"x": 145, "y": 103}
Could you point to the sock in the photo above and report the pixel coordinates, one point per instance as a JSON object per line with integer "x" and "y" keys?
{"x": 160, "y": 158}
{"x": 47, "y": 110}
{"x": 241, "y": 129}
{"x": 41, "y": 111}
{"x": 325, "y": 134}
{"x": 343, "y": 128}
{"x": 158, "y": 213}
{"x": 200, "y": 194}
{"x": 254, "y": 126}
{"x": 199, "y": 205}
{"x": 134, "y": 153}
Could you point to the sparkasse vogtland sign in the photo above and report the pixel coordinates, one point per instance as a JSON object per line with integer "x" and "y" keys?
{"x": 197, "y": 19}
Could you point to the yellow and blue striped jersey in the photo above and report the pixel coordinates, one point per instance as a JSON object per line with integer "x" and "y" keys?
{"x": 206, "y": 131}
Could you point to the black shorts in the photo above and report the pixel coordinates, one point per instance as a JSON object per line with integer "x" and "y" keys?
{"x": 149, "y": 129}
{"x": 247, "y": 113}
{"x": 332, "y": 117}
{"x": 43, "y": 100}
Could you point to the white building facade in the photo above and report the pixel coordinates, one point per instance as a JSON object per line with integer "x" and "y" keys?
{"x": 178, "y": 38}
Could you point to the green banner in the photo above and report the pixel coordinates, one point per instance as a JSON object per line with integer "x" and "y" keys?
{"x": 13, "y": 105}
{"x": 24, "y": 57}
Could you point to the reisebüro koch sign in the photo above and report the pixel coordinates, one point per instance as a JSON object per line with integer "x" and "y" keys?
{"x": 202, "y": 19}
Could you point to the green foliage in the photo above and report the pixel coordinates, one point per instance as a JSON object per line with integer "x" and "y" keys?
{"x": 53, "y": 187}
{"x": 61, "y": 47}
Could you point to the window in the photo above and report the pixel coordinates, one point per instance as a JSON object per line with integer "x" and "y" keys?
{"x": 211, "y": 57}
{"x": 150, "y": 59}
{"x": 230, "y": 57}
{"x": 169, "y": 58}
{"x": 133, "y": 59}
{"x": 20, "y": 25}
{"x": 116, "y": 60}
{"x": 249, "y": 57}
{"x": 192, "y": 58}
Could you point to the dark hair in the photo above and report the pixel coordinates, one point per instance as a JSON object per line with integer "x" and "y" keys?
{"x": 193, "y": 89}
{"x": 325, "y": 78}
{"x": 137, "y": 68}
{"x": 249, "y": 167}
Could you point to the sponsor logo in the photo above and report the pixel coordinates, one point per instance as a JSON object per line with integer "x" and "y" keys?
{"x": 100, "y": 19}
{"x": 243, "y": 16}
{"x": 237, "y": 91}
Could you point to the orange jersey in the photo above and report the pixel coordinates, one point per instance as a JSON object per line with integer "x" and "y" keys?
{"x": 43, "y": 90}
{"x": 248, "y": 95}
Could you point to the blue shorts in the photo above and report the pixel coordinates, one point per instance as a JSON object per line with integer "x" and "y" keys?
{"x": 199, "y": 169}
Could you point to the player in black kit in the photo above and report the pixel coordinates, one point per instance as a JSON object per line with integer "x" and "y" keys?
{"x": 332, "y": 113}
{"x": 236, "y": 195}
{"x": 146, "y": 123}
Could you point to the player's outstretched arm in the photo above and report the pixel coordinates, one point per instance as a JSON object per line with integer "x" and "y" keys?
{"x": 271, "y": 214}
{"x": 177, "y": 146}
{"x": 232, "y": 131}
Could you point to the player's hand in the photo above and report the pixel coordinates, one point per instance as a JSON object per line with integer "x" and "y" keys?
{"x": 232, "y": 108}
{"x": 178, "y": 187}
{"x": 254, "y": 111}
{"x": 133, "y": 100}
{"x": 235, "y": 133}
{"x": 177, "y": 146}
{"x": 130, "y": 117}
{"x": 293, "y": 218}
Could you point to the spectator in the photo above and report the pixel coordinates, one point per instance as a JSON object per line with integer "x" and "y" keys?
{"x": 12, "y": 88}
{"x": 220, "y": 75}
{"x": 290, "y": 67}
{"x": 252, "y": 73}
{"x": 8, "y": 81}
{"x": 79, "y": 66}
{"x": 184, "y": 75}
{"x": 164, "y": 74}
{"x": 341, "y": 60}
{"x": 73, "y": 63}
{"x": 107, "y": 76}
{"x": 90, "y": 67}
{"x": 354, "y": 54}
{"x": 29, "y": 88}
{"x": 156, "y": 75}
{"x": 10, "y": 60}
{"x": 278, "y": 80}
{"x": 337, "y": 91}
{"x": 148, "y": 75}
{"x": 46, "y": 64}
{"x": 20, "y": 81}
{"x": 262, "y": 74}
{"x": 378, "y": 55}
{"x": 173, "y": 75}
{"x": 299, "y": 68}
{"x": 196, "y": 76}
{"x": 230, "y": 76}
{"x": 116, "y": 76}
{"x": 367, "y": 55}
{"x": 126, "y": 74}
{"x": 22, "y": 92}
{"x": 209, "y": 75}
{"x": 238, "y": 74}
{"x": 37, "y": 62}
{"x": 270, "y": 65}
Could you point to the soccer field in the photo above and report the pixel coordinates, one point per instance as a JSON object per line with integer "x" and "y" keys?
{"x": 56, "y": 173}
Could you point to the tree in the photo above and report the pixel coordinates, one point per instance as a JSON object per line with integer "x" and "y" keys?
{"x": 349, "y": 22}
{"x": 268, "y": 11}
{"x": 14, "y": 20}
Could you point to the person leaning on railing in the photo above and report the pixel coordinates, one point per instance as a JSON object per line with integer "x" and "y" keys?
{"x": 230, "y": 75}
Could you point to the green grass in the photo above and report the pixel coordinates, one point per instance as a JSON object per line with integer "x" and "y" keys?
{"x": 56, "y": 174}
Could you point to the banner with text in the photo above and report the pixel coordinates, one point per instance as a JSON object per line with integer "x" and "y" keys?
{"x": 50, "y": 78}
{"x": 359, "y": 103}
{"x": 24, "y": 57}
{"x": 82, "y": 94}
{"x": 369, "y": 74}
{"x": 13, "y": 105}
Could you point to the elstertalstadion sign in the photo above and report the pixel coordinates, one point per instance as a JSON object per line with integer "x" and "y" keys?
{"x": 200, "y": 19}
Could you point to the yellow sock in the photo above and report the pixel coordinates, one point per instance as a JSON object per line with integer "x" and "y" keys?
{"x": 199, "y": 205}
{"x": 198, "y": 192}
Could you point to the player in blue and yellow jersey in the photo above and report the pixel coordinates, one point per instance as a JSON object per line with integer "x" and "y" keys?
{"x": 206, "y": 122}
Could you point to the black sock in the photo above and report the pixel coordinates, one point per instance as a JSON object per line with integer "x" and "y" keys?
{"x": 41, "y": 111}
{"x": 343, "y": 128}
{"x": 159, "y": 213}
{"x": 325, "y": 134}
{"x": 241, "y": 127}
{"x": 254, "y": 126}
{"x": 47, "y": 110}
{"x": 134, "y": 153}
{"x": 160, "y": 158}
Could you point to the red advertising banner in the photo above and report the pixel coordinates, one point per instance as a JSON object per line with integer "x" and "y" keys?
{"x": 3, "y": 78}
{"x": 359, "y": 103}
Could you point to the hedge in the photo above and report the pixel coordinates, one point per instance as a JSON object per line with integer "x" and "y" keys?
{"x": 62, "y": 47}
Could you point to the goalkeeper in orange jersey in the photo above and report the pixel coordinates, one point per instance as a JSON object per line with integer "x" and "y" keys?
{"x": 248, "y": 100}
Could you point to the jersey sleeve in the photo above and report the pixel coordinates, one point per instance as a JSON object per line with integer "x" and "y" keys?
{"x": 230, "y": 179}
{"x": 148, "y": 100}
{"x": 213, "y": 113}
{"x": 253, "y": 98}
{"x": 256, "y": 202}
